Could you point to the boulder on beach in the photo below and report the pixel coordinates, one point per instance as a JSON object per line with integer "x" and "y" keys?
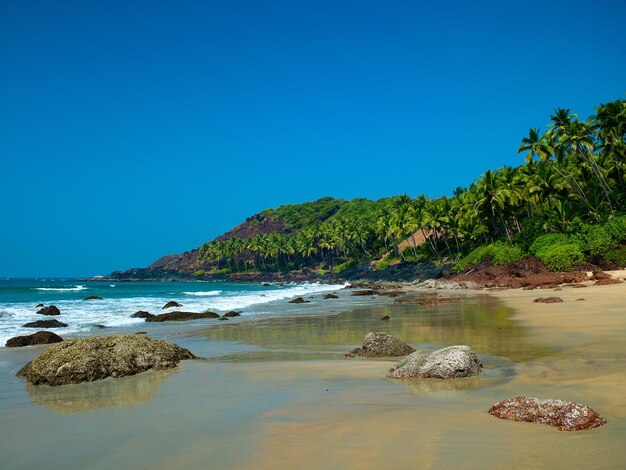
{"x": 93, "y": 297}
{"x": 298, "y": 300}
{"x": 172, "y": 303}
{"x": 548, "y": 300}
{"x": 378, "y": 344}
{"x": 141, "y": 314}
{"x": 563, "y": 415}
{"x": 606, "y": 282}
{"x": 181, "y": 316}
{"x": 41, "y": 337}
{"x": 231, "y": 314}
{"x": 448, "y": 363}
{"x": 331, "y": 296}
{"x": 45, "y": 324}
{"x": 50, "y": 310}
{"x": 85, "y": 360}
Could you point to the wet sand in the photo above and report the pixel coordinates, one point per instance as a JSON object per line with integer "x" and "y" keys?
{"x": 279, "y": 394}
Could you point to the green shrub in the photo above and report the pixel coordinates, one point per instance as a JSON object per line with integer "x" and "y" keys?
{"x": 322, "y": 272}
{"x": 616, "y": 228}
{"x": 617, "y": 256}
{"x": 502, "y": 253}
{"x": 199, "y": 272}
{"x": 561, "y": 256}
{"x": 220, "y": 271}
{"x": 497, "y": 253}
{"x": 382, "y": 265}
{"x": 547, "y": 240}
{"x": 531, "y": 231}
{"x": 344, "y": 266}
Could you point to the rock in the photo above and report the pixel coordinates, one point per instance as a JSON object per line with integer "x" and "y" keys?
{"x": 141, "y": 314}
{"x": 298, "y": 300}
{"x": 365, "y": 292}
{"x": 100, "y": 327}
{"x": 41, "y": 337}
{"x": 331, "y": 296}
{"x": 563, "y": 415}
{"x": 378, "y": 344}
{"x": 93, "y": 297}
{"x": 181, "y": 316}
{"x": 266, "y": 285}
{"x": 99, "y": 357}
{"x": 599, "y": 275}
{"x": 38, "y": 305}
{"x": 172, "y": 303}
{"x": 607, "y": 282}
{"x": 141, "y": 333}
{"x": 548, "y": 300}
{"x": 578, "y": 286}
{"x": 452, "y": 362}
{"x": 231, "y": 314}
{"x": 51, "y": 310}
{"x": 580, "y": 300}
{"x": 45, "y": 324}
{"x": 222, "y": 318}
{"x": 385, "y": 318}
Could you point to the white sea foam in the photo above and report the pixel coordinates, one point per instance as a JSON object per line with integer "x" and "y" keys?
{"x": 82, "y": 316}
{"x": 61, "y": 289}
{"x": 204, "y": 294}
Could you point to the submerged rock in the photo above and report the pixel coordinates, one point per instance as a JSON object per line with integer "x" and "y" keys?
{"x": 172, "y": 303}
{"x": 51, "y": 310}
{"x": 93, "y": 297}
{"x": 563, "y": 415}
{"x": 181, "y": 316}
{"x": 41, "y": 337}
{"x": 99, "y": 357}
{"x": 45, "y": 324}
{"x": 331, "y": 296}
{"x": 298, "y": 300}
{"x": 378, "y": 344}
{"x": 548, "y": 300}
{"x": 365, "y": 292}
{"x": 141, "y": 314}
{"x": 448, "y": 363}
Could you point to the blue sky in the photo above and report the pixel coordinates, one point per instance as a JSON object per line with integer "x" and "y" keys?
{"x": 130, "y": 130}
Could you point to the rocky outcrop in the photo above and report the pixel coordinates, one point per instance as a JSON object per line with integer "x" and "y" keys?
{"x": 548, "y": 300}
{"x": 45, "y": 324}
{"x": 93, "y": 297}
{"x": 447, "y": 363}
{"x": 141, "y": 314}
{"x": 41, "y": 337}
{"x": 606, "y": 282}
{"x": 298, "y": 300}
{"x": 95, "y": 358}
{"x": 181, "y": 316}
{"x": 377, "y": 344}
{"x": 171, "y": 304}
{"x": 563, "y": 415}
{"x": 331, "y": 296}
{"x": 50, "y": 310}
{"x": 231, "y": 314}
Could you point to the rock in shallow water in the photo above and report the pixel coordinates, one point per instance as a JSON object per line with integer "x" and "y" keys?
{"x": 95, "y": 358}
{"x": 563, "y": 415}
{"x": 377, "y": 344}
{"x": 172, "y": 303}
{"x": 447, "y": 363}
{"x": 181, "y": 316}
{"x": 45, "y": 324}
{"x": 41, "y": 337}
{"x": 51, "y": 310}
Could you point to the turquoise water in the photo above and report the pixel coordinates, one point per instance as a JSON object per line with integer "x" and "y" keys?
{"x": 19, "y": 298}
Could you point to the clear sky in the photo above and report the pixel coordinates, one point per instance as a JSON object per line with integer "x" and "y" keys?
{"x": 130, "y": 130}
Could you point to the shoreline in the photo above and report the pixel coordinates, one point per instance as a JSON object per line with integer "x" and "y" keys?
{"x": 284, "y": 393}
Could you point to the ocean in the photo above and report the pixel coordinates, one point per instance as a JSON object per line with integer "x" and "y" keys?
{"x": 19, "y": 299}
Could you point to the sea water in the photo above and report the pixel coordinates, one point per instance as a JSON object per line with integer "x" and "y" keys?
{"x": 19, "y": 299}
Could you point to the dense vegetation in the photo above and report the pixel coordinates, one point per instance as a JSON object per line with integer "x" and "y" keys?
{"x": 565, "y": 205}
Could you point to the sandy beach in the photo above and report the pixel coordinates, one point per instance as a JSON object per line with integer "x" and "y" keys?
{"x": 280, "y": 394}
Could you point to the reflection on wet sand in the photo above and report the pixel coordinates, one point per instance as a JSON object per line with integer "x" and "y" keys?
{"x": 480, "y": 322}
{"x": 75, "y": 398}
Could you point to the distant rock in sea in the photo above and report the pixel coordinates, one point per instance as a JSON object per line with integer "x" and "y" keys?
{"x": 51, "y": 310}
{"x": 172, "y": 303}
{"x": 45, "y": 324}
